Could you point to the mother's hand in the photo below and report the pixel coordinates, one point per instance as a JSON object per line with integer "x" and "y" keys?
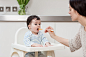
{"x": 48, "y": 29}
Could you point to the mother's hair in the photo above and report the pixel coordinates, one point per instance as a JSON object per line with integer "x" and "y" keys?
{"x": 79, "y": 6}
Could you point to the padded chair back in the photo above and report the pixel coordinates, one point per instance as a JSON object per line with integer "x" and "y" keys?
{"x": 19, "y": 36}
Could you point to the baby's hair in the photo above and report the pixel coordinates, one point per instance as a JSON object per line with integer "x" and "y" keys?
{"x": 30, "y": 18}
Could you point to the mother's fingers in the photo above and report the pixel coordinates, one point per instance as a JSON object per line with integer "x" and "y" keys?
{"x": 48, "y": 29}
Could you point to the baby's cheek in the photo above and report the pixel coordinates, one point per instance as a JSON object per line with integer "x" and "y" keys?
{"x": 34, "y": 28}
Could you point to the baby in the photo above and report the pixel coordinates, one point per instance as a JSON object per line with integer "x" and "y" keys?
{"x": 34, "y": 37}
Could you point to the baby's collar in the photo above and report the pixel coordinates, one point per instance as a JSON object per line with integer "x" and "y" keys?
{"x": 32, "y": 33}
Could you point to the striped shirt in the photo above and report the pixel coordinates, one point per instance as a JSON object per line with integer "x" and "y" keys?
{"x": 30, "y": 38}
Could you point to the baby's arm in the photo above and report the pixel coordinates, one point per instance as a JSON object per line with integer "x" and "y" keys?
{"x": 27, "y": 40}
{"x": 36, "y": 45}
{"x": 45, "y": 41}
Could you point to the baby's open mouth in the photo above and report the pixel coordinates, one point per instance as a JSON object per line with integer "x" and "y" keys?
{"x": 37, "y": 28}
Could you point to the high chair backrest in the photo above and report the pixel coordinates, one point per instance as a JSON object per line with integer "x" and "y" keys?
{"x": 19, "y": 36}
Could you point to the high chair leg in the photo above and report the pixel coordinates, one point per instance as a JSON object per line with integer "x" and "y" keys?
{"x": 50, "y": 54}
{"x": 21, "y": 54}
{"x": 36, "y": 54}
{"x": 53, "y": 54}
{"x": 14, "y": 53}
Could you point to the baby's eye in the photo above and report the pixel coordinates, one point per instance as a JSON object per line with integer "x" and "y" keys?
{"x": 35, "y": 24}
{"x": 39, "y": 24}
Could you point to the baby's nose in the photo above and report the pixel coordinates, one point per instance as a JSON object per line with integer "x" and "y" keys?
{"x": 38, "y": 25}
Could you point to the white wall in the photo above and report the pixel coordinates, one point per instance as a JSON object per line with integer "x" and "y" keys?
{"x": 40, "y": 7}
{"x": 7, "y": 36}
{"x": 63, "y": 29}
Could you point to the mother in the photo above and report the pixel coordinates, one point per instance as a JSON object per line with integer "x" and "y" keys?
{"x": 77, "y": 11}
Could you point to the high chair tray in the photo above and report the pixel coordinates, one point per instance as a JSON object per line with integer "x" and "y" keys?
{"x": 33, "y": 49}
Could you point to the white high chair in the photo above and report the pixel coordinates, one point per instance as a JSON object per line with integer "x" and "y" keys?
{"x": 18, "y": 49}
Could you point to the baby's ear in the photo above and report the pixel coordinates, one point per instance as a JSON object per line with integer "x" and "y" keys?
{"x": 29, "y": 26}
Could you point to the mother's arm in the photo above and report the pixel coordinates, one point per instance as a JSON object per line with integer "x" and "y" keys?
{"x": 74, "y": 43}
{"x": 57, "y": 38}
{"x": 62, "y": 40}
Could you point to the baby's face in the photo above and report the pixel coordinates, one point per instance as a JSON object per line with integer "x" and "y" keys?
{"x": 34, "y": 26}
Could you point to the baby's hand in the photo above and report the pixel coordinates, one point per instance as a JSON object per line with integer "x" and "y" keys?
{"x": 36, "y": 45}
{"x": 47, "y": 44}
